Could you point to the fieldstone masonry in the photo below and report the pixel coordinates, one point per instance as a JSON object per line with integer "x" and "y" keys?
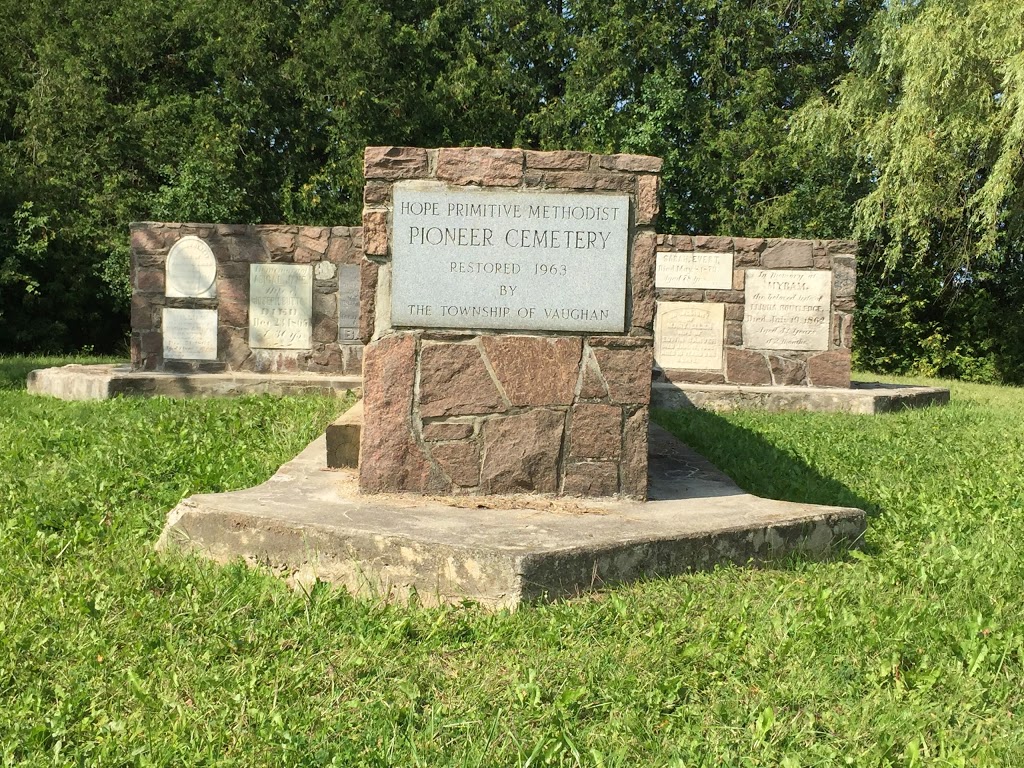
{"x": 511, "y": 329}
{"x": 466, "y": 403}
{"x": 788, "y": 312}
{"x": 267, "y": 299}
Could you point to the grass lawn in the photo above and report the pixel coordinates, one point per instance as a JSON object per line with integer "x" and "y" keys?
{"x": 909, "y": 653}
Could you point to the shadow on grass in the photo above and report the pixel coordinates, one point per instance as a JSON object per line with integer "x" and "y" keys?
{"x": 754, "y": 464}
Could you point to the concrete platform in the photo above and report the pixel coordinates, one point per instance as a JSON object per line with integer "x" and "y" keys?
{"x": 101, "y": 382}
{"x": 308, "y": 523}
{"x": 862, "y": 397}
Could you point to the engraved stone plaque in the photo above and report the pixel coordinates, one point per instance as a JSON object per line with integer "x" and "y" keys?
{"x": 280, "y": 306}
{"x": 694, "y": 269}
{"x": 787, "y": 309}
{"x": 190, "y": 334}
{"x": 191, "y": 269}
{"x": 689, "y": 336}
{"x": 480, "y": 258}
{"x": 324, "y": 270}
{"x": 348, "y": 303}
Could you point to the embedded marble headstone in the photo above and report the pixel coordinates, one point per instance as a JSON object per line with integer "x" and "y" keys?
{"x": 348, "y": 302}
{"x": 787, "y": 309}
{"x": 189, "y": 334}
{"x": 694, "y": 269}
{"x": 490, "y": 259}
{"x": 324, "y": 270}
{"x": 689, "y": 336}
{"x": 280, "y": 306}
{"x": 191, "y": 269}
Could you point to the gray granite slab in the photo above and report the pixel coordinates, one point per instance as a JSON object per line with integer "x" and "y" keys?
{"x": 509, "y": 260}
{"x": 348, "y": 303}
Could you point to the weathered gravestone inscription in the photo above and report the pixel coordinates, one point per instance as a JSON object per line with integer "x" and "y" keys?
{"x": 191, "y": 269}
{"x": 694, "y": 269}
{"x": 787, "y": 309}
{"x": 189, "y": 334}
{"x": 280, "y": 306}
{"x": 348, "y": 302}
{"x": 689, "y": 335}
{"x": 469, "y": 258}
{"x": 280, "y": 286}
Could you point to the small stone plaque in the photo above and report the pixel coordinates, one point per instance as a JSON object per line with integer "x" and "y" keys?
{"x": 348, "y": 302}
{"x": 787, "y": 309}
{"x": 280, "y": 306}
{"x": 324, "y": 270}
{"x": 694, "y": 269}
{"x": 480, "y": 258}
{"x": 689, "y": 336}
{"x": 190, "y": 334}
{"x": 191, "y": 269}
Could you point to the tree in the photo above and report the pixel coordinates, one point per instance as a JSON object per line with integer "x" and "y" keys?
{"x": 711, "y": 87}
{"x": 119, "y": 110}
{"x": 931, "y": 119}
{"x": 934, "y": 110}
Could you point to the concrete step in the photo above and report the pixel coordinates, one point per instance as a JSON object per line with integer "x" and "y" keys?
{"x": 308, "y": 523}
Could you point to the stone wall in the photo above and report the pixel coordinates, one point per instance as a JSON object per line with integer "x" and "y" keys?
{"x": 754, "y": 311}
{"x": 726, "y": 310}
{"x": 492, "y": 411}
{"x": 218, "y": 297}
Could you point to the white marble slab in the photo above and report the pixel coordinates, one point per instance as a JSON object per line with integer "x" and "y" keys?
{"x": 510, "y": 260}
{"x": 191, "y": 269}
{"x": 280, "y": 306}
{"x": 694, "y": 269}
{"x": 189, "y": 334}
{"x": 787, "y": 309}
{"x": 324, "y": 270}
{"x": 689, "y": 336}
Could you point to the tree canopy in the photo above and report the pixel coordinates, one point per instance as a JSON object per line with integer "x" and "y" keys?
{"x": 934, "y": 110}
{"x": 930, "y": 120}
{"x": 899, "y": 121}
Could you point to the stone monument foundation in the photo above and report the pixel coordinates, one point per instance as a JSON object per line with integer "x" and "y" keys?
{"x": 508, "y": 312}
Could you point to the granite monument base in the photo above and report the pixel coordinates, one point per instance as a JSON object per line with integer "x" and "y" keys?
{"x": 308, "y": 525}
{"x": 860, "y": 397}
{"x": 102, "y": 382}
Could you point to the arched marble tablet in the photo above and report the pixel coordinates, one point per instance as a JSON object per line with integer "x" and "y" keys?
{"x": 191, "y": 269}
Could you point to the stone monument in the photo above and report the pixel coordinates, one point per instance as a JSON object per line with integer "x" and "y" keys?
{"x": 754, "y": 312}
{"x": 508, "y": 310}
{"x": 267, "y": 299}
{"x": 512, "y": 304}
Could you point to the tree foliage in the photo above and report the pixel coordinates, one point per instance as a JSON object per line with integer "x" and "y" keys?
{"x": 121, "y": 110}
{"x": 934, "y": 109}
{"x": 115, "y": 110}
{"x": 930, "y": 120}
{"x": 711, "y": 86}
